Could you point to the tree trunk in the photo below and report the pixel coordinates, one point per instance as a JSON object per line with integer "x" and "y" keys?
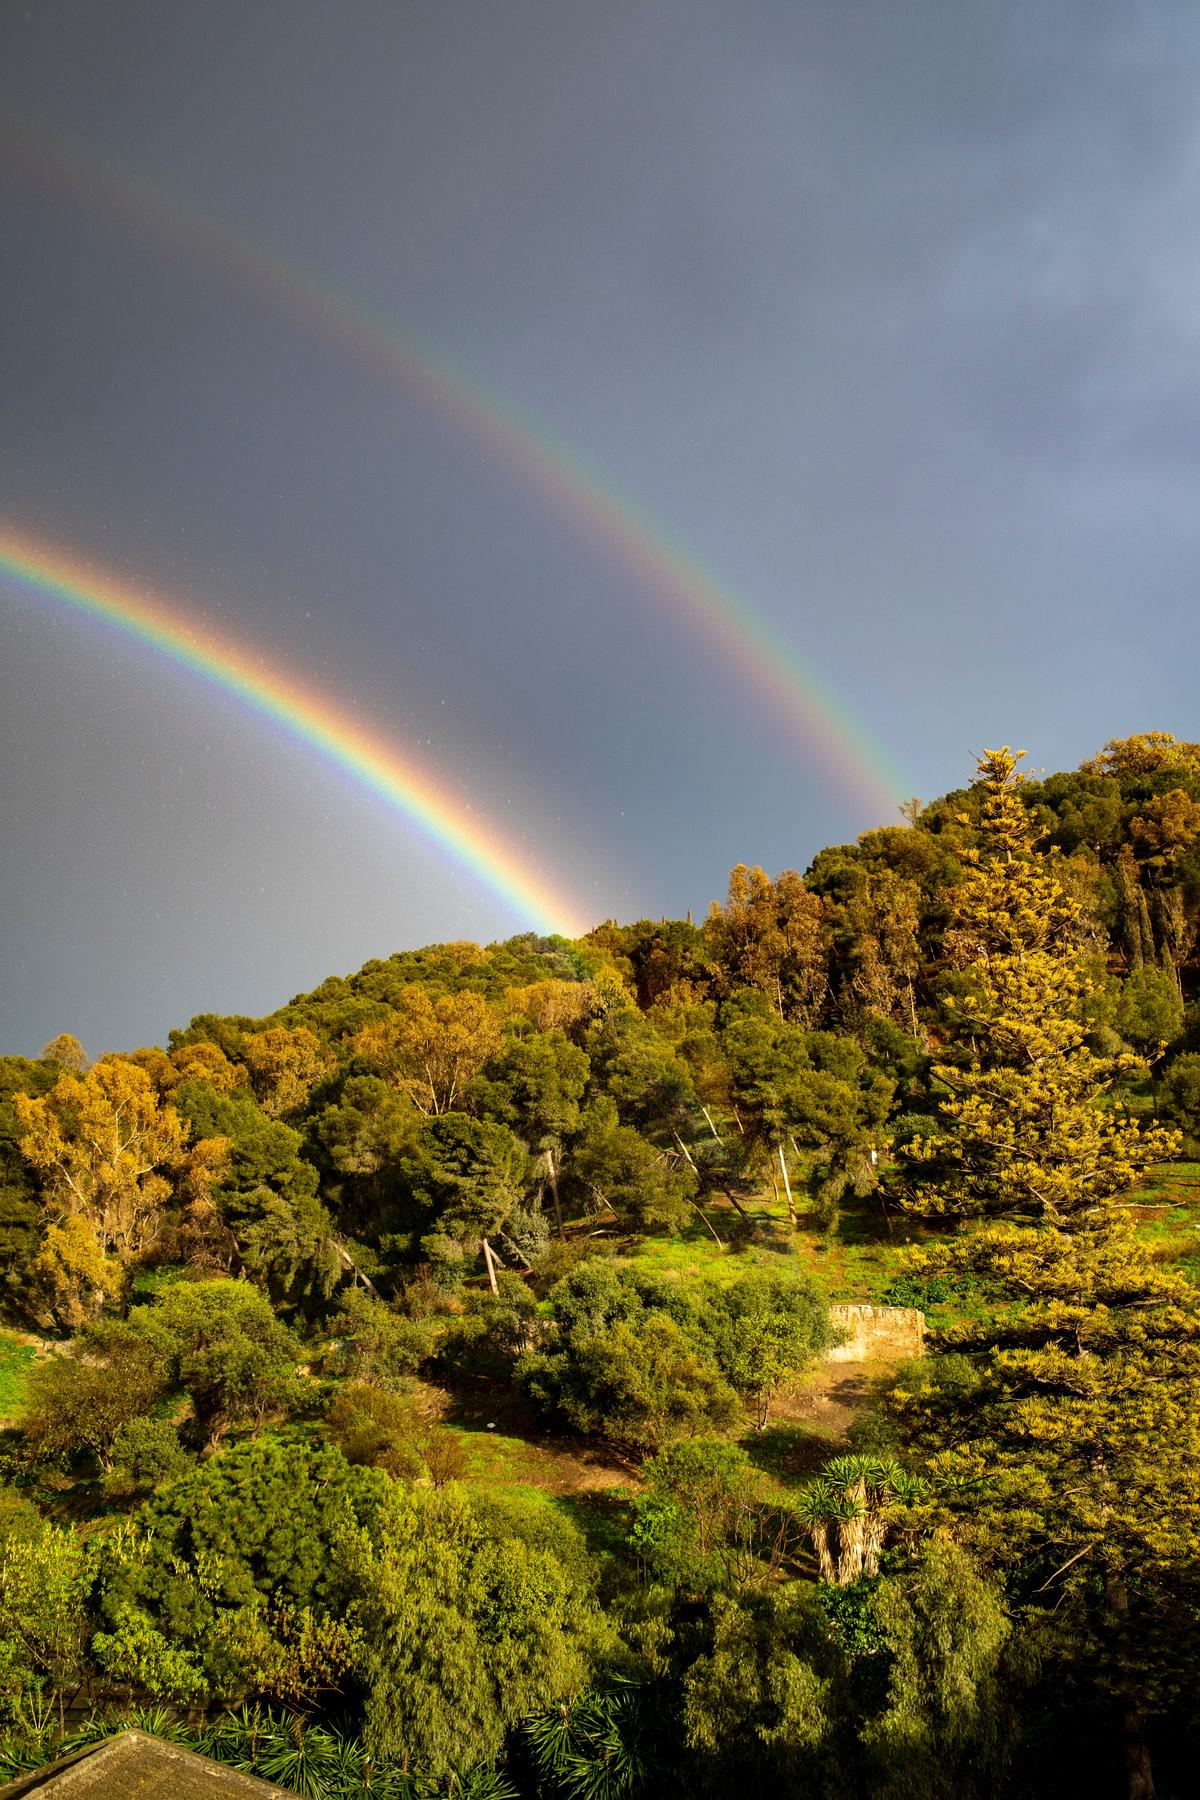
{"x": 490, "y": 1260}
{"x": 1139, "y": 1771}
{"x": 819, "y": 1533}
{"x": 787, "y": 1187}
{"x": 711, "y": 1126}
{"x": 358, "y": 1273}
{"x": 552, "y": 1177}
{"x": 518, "y": 1252}
{"x": 707, "y": 1222}
{"x": 736, "y": 1204}
{"x": 685, "y": 1153}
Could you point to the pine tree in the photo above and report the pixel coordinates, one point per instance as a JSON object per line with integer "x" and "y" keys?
{"x": 1069, "y": 1433}
{"x": 1027, "y": 1129}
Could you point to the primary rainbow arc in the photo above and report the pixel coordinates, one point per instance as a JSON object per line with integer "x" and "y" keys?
{"x": 314, "y": 718}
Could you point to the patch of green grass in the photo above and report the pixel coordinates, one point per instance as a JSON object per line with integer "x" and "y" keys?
{"x": 787, "y": 1454}
{"x": 1167, "y": 1212}
{"x": 16, "y": 1360}
{"x": 857, "y": 1264}
{"x": 693, "y": 1256}
{"x": 493, "y": 1458}
{"x": 603, "y": 1517}
{"x": 149, "y": 1282}
{"x": 499, "y": 1460}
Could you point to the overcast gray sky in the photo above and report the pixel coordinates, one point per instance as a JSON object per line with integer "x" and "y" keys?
{"x": 886, "y": 314}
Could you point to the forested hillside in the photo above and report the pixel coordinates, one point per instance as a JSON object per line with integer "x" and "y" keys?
{"x": 422, "y": 1390}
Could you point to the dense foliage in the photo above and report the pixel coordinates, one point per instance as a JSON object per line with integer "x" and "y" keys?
{"x": 295, "y": 1288}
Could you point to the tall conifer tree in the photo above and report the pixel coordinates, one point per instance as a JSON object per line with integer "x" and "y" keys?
{"x": 1076, "y": 1431}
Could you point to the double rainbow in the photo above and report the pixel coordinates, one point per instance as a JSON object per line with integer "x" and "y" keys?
{"x": 314, "y": 718}
{"x": 734, "y": 632}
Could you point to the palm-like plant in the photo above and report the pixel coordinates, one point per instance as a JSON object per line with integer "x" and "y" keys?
{"x": 305, "y": 1758}
{"x": 848, "y": 1510}
{"x": 591, "y": 1748}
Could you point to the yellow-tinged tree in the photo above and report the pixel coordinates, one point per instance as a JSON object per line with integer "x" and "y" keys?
{"x": 1028, "y": 1128}
{"x": 772, "y": 935}
{"x": 285, "y": 1065}
{"x": 1064, "y": 1443}
{"x": 431, "y": 1048}
{"x": 108, "y": 1152}
{"x": 1063, "y": 1446}
{"x": 550, "y": 1005}
{"x": 1145, "y": 754}
{"x": 191, "y": 1062}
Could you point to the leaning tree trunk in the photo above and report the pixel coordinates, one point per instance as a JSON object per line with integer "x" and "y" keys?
{"x": 552, "y": 1177}
{"x": 348, "y": 1262}
{"x": 787, "y": 1187}
{"x": 711, "y": 1126}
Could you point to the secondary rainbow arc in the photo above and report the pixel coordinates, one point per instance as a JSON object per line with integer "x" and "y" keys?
{"x": 736, "y": 633}
{"x": 314, "y": 718}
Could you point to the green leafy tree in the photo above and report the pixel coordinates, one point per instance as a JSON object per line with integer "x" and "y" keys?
{"x": 372, "y": 1342}
{"x": 1149, "y": 1011}
{"x": 627, "y": 1359}
{"x": 269, "y": 1219}
{"x": 945, "y": 1729}
{"x": 760, "y": 1704}
{"x": 464, "y": 1179}
{"x": 534, "y": 1086}
{"x": 1179, "y": 1099}
{"x": 638, "y": 1184}
{"x": 84, "y": 1399}
{"x": 827, "y": 1109}
{"x": 45, "y": 1576}
{"x": 764, "y": 1328}
{"x": 232, "y": 1576}
{"x": 222, "y": 1345}
{"x": 640, "y": 1071}
{"x": 493, "y": 1330}
{"x": 463, "y": 1632}
{"x": 702, "y": 1523}
{"x": 145, "y": 1454}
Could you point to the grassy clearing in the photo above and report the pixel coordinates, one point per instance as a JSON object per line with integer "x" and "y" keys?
{"x": 16, "y": 1360}
{"x": 1167, "y": 1210}
{"x": 550, "y": 1481}
{"x": 858, "y": 1265}
{"x": 498, "y": 1459}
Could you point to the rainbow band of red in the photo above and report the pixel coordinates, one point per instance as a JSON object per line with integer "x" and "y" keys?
{"x": 313, "y": 718}
{"x": 734, "y": 631}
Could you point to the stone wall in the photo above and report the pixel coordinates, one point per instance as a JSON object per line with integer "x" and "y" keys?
{"x": 870, "y": 1332}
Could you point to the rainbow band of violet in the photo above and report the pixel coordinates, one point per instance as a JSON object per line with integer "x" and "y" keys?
{"x": 735, "y": 633}
{"x": 315, "y": 719}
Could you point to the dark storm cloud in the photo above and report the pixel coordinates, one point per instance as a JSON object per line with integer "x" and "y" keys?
{"x": 887, "y": 313}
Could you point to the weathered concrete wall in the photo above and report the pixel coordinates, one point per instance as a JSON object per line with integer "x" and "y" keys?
{"x": 868, "y": 1332}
